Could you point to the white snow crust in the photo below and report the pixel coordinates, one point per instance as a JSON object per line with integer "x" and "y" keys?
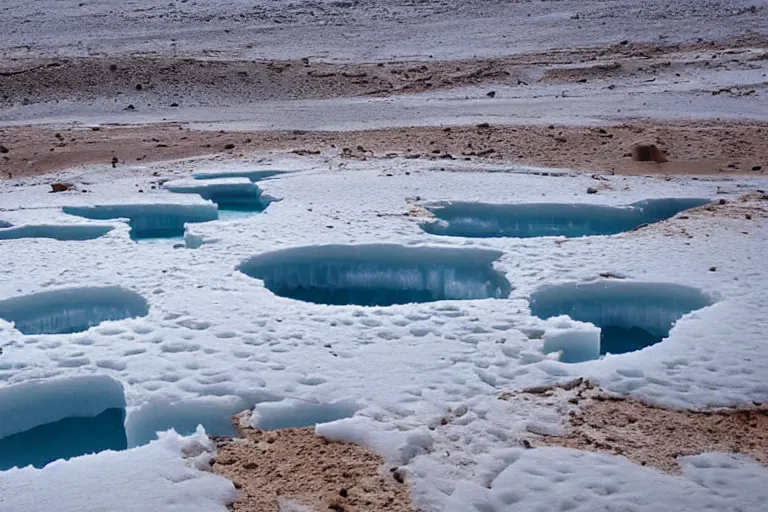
{"x": 168, "y": 475}
{"x": 216, "y": 341}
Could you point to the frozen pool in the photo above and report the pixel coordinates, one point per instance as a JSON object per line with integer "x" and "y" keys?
{"x": 630, "y": 315}
{"x": 550, "y": 219}
{"x": 379, "y": 274}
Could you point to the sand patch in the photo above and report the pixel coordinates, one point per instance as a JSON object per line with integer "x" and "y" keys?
{"x": 703, "y": 148}
{"x": 649, "y": 435}
{"x": 279, "y": 469}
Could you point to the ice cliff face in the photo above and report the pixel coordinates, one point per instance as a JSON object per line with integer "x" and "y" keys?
{"x": 150, "y": 220}
{"x": 550, "y": 219}
{"x": 71, "y": 310}
{"x": 379, "y": 274}
{"x": 630, "y": 315}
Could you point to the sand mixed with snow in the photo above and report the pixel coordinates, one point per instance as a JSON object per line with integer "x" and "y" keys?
{"x": 414, "y": 372}
{"x": 215, "y": 341}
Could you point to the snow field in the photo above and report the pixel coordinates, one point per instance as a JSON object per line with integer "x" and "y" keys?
{"x": 216, "y": 341}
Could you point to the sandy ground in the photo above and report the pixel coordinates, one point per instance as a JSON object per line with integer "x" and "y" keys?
{"x": 603, "y": 98}
{"x": 183, "y": 82}
{"x": 648, "y": 435}
{"x": 274, "y": 469}
{"x": 295, "y": 470}
{"x": 359, "y": 30}
{"x": 692, "y": 148}
{"x": 623, "y": 82}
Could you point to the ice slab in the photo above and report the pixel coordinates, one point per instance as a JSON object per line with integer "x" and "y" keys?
{"x": 631, "y": 315}
{"x": 62, "y": 232}
{"x": 213, "y": 413}
{"x": 152, "y": 220}
{"x": 292, "y": 413}
{"x": 576, "y": 341}
{"x": 379, "y": 274}
{"x": 233, "y": 194}
{"x": 550, "y": 219}
{"x": 71, "y": 310}
{"x": 252, "y": 176}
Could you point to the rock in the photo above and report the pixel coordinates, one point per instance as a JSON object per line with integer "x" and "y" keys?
{"x": 174, "y": 104}
{"x": 647, "y": 153}
{"x": 757, "y": 168}
{"x": 139, "y": 87}
{"x": 130, "y": 107}
{"x": 304, "y": 152}
{"x": 229, "y": 146}
{"x": 591, "y": 190}
{"x": 60, "y": 187}
{"x": 572, "y": 384}
{"x": 3, "y": 149}
{"x": 712, "y": 269}
{"x": 483, "y": 125}
{"x": 113, "y": 67}
{"x": 722, "y": 202}
{"x": 491, "y": 94}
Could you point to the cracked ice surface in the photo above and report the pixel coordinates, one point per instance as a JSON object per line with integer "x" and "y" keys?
{"x": 216, "y": 340}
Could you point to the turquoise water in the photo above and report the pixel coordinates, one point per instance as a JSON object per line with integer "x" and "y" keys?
{"x": 479, "y": 220}
{"x": 70, "y": 437}
{"x": 378, "y": 275}
{"x": 631, "y": 316}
